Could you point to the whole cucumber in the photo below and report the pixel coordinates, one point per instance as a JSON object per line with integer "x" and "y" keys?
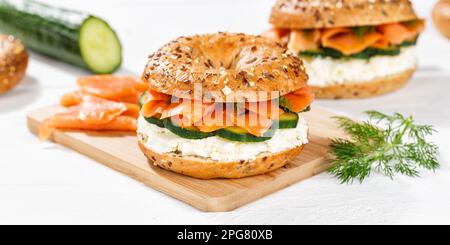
{"x": 70, "y": 36}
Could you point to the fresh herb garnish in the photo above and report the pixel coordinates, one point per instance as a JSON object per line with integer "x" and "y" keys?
{"x": 400, "y": 147}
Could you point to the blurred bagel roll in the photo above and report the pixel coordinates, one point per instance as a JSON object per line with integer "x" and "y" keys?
{"x": 441, "y": 17}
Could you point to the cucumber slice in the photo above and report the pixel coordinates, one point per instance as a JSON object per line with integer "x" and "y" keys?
{"x": 187, "y": 133}
{"x": 141, "y": 99}
{"x": 365, "y": 54}
{"x": 239, "y": 134}
{"x": 409, "y": 43}
{"x": 287, "y": 120}
{"x": 325, "y": 52}
{"x": 99, "y": 46}
{"x": 155, "y": 121}
{"x": 370, "y": 52}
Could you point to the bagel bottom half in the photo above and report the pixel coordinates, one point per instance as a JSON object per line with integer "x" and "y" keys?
{"x": 354, "y": 90}
{"x": 207, "y": 169}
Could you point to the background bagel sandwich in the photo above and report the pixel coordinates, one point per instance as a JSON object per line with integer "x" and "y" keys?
{"x": 223, "y": 106}
{"x": 351, "y": 49}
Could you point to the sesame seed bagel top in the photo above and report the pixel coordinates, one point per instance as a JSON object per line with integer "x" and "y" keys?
{"x": 225, "y": 67}
{"x": 314, "y": 14}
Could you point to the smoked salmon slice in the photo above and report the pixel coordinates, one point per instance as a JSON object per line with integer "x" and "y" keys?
{"x": 347, "y": 42}
{"x": 255, "y": 117}
{"x": 69, "y": 122}
{"x": 277, "y": 34}
{"x": 116, "y": 88}
{"x": 394, "y": 33}
{"x": 153, "y": 108}
{"x": 74, "y": 98}
{"x": 268, "y": 109}
{"x": 93, "y": 113}
{"x": 191, "y": 111}
{"x": 94, "y": 110}
{"x": 253, "y": 123}
{"x": 152, "y": 95}
{"x": 397, "y": 33}
{"x": 383, "y": 43}
{"x": 155, "y": 103}
{"x": 304, "y": 40}
{"x": 299, "y": 100}
{"x": 71, "y": 99}
{"x": 218, "y": 119}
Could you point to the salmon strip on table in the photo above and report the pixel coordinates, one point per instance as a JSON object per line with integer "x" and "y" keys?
{"x": 116, "y": 88}
{"x": 93, "y": 113}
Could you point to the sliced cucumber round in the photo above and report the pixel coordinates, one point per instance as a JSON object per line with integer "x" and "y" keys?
{"x": 99, "y": 46}
{"x": 187, "y": 133}
{"x": 365, "y": 54}
{"x": 239, "y": 134}
{"x": 155, "y": 121}
{"x": 409, "y": 43}
{"x": 287, "y": 120}
{"x": 371, "y": 52}
{"x": 141, "y": 99}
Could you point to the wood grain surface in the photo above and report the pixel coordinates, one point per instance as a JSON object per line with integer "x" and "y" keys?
{"x": 120, "y": 152}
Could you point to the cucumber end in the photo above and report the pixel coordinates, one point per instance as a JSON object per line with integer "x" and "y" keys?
{"x": 100, "y": 46}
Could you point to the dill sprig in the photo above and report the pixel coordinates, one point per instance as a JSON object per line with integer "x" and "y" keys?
{"x": 396, "y": 146}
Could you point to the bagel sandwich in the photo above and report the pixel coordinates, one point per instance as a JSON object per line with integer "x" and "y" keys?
{"x": 351, "y": 49}
{"x": 223, "y": 106}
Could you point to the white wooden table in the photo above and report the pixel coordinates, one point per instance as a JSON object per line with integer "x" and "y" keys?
{"x": 44, "y": 183}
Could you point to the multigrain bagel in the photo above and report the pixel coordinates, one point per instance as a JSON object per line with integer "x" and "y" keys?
{"x": 207, "y": 169}
{"x": 14, "y": 61}
{"x": 222, "y": 137}
{"x": 358, "y": 90}
{"x": 225, "y": 67}
{"x": 313, "y": 14}
{"x": 351, "y": 49}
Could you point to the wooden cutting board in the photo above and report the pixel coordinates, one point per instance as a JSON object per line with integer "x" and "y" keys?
{"x": 120, "y": 152}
